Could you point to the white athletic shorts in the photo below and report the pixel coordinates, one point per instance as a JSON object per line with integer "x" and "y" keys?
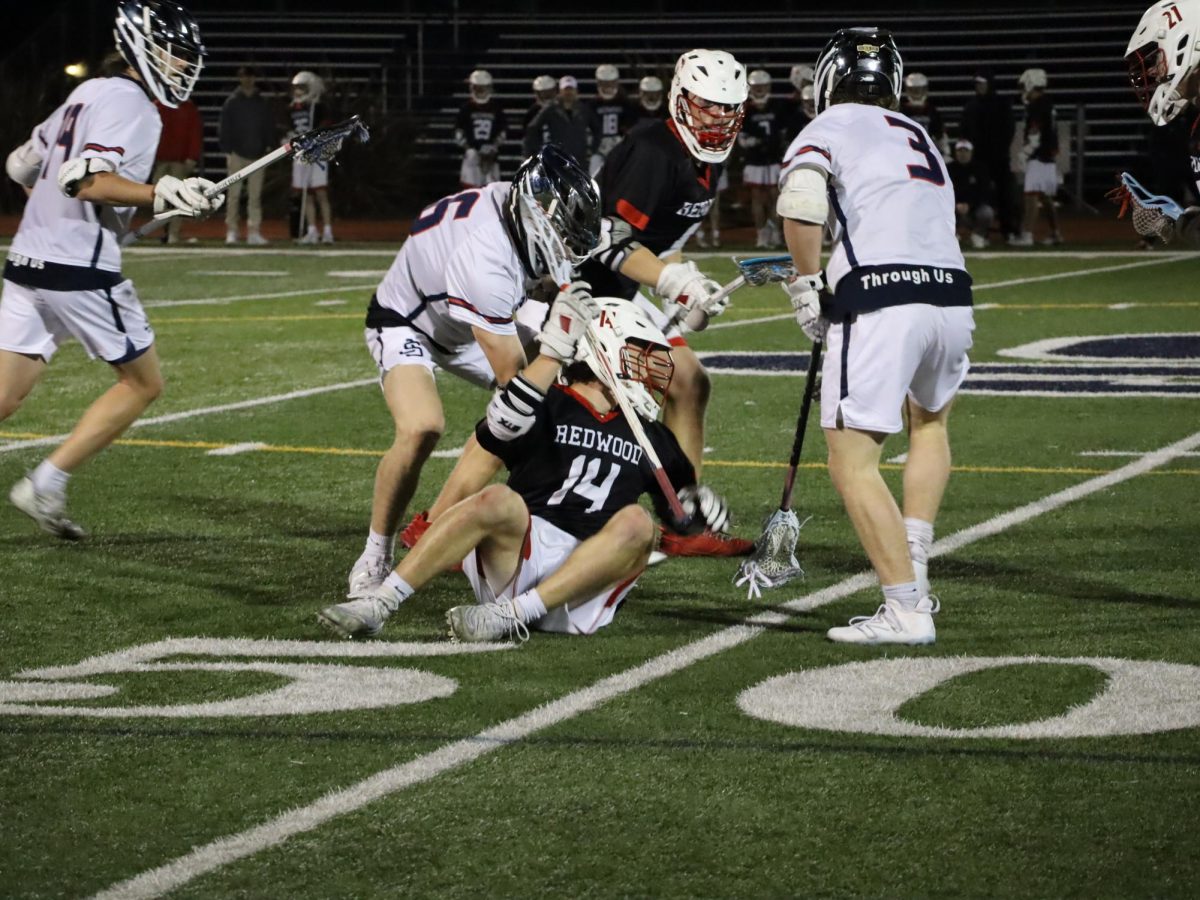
{"x": 404, "y": 346}
{"x": 474, "y": 173}
{"x": 309, "y": 175}
{"x": 1041, "y": 177}
{"x": 764, "y": 175}
{"x": 873, "y": 362}
{"x": 109, "y": 322}
{"x": 546, "y": 549}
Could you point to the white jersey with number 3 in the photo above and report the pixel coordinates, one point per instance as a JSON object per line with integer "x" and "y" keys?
{"x": 103, "y": 118}
{"x": 891, "y": 209}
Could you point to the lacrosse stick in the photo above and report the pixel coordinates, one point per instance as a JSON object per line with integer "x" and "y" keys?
{"x": 1153, "y": 214}
{"x": 773, "y": 562}
{"x": 754, "y": 271}
{"x": 635, "y": 425}
{"x": 318, "y": 145}
{"x": 302, "y": 228}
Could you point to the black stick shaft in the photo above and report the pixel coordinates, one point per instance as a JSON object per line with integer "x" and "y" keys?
{"x": 810, "y": 383}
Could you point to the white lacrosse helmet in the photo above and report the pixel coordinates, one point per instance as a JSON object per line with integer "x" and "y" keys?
{"x": 650, "y": 91}
{"x": 608, "y": 81}
{"x": 1033, "y": 80}
{"x": 637, "y": 352}
{"x": 161, "y": 42}
{"x": 708, "y": 102}
{"x": 759, "y": 83}
{"x": 544, "y": 88}
{"x": 1163, "y": 53}
{"x": 916, "y": 87}
{"x": 800, "y": 76}
{"x": 307, "y": 87}
{"x": 479, "y": 83}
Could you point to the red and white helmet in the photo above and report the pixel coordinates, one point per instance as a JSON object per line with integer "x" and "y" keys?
{"x": 479, "y": 83}
{"x": 608, "y": 81}
{"x": 637, "y": 353}
{"x": 1163, "y": 53}
{"x": 759, "y": 83}
{"x": 708, "y": 102}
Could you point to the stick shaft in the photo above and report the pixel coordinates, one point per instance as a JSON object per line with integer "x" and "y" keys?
{"x": 681, "y": 311}
{"x": 810, "y": 383}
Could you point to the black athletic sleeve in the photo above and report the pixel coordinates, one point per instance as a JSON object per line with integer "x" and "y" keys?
{"x": 462, "y": 124}
{"x": 500, "y": 128}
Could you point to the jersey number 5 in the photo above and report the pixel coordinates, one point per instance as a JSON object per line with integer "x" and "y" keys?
{"x": 434, "y": 215}
{"x": 931, "y": 173}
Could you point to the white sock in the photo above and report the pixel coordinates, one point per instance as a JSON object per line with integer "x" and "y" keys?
{"x": 920, "y": 539}
{"x": 379, "y": 545}
{"x": 48, "y": 478}
{"x": 396, "y": 588}
{"x": 906, "y": 595}
{"x": 529, "y": 606}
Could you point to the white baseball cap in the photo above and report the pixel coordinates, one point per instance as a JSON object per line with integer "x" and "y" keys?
{"x": 568, "y": 81}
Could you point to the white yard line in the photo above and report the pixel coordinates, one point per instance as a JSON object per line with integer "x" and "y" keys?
{"x": 221, "y": 301}
{"x": 1122, "y": 453}
{"x": 205, "y": 411}
{"x": 217, "y": 854}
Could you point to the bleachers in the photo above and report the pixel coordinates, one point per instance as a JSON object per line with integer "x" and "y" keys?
{"x": 1081, "y": 51}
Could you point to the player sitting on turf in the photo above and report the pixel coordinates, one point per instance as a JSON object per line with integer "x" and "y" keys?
{"x": 450, "y": 299}
{"x": 85, "y": 169}
{"x": 562, "y": 544}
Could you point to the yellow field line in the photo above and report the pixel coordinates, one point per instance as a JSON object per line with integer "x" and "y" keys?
{"x": 719, "y": 463}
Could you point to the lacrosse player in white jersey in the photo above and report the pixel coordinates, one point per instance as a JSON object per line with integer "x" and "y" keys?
{"x": 84, "y": 169}
{"x": 1163, "y": 58}
{"x": 450, "y": 300}
{"x": 898, "y": 320}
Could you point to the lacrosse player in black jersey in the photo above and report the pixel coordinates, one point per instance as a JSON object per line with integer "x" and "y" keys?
{"x": 560, "y": 546}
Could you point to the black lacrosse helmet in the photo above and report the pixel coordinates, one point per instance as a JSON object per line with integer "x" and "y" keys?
{"x": 160, "y": 40}
{"x": 554, "y": 210}
{"x": 859, "y": 65}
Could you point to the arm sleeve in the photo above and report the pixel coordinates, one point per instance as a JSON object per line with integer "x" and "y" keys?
{"x": 634, "y": 183}
{"x": 813, "y": 147}
{"x": 479, "y": 291}
{"x": 500, "y": 128}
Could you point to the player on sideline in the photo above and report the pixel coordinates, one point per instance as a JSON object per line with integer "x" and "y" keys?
{"x": 84, "y": 169}
{"x": 450, "y": 299}
{"x": 898, "y": 325}
{"x": 307, "y": 112}
{"x": 1166, "y": 80}
{"x": 561, "y": 545}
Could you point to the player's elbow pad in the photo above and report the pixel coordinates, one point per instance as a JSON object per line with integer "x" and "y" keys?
{"x": 804, "y": 197}
{"x": 512, "y": 411}
{"x": 616, "y": 243}
{"x": 72, "y": 173}
{"x": 24, "y": 165}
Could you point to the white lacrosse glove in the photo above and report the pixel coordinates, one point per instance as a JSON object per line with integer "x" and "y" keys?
{"x": 24, "y": 164}
{"x": 185, "y": 194}
{"x": 512, "y": 410}
{"x": 683, "y": 285}
{"x": 804, "y": 291}
{"x": 569, "y": 315}
{"x": 702, "y": 503}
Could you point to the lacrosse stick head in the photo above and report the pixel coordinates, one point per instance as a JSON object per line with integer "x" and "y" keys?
{"x": 323, "y": 144}
{"x": 773, "y": 562}
{"x": 760, "y": 270}
{"x": 1153, "y": 215}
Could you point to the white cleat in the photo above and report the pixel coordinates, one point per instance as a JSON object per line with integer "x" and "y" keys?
{"x": 311, "y": 236}
{"x": 1024, "y": 239}
{"x": 921, "y": 569}
{"x": 47, "y": 510}
{"x": 890, "y": 625}
{"x": 255, "y": 239}
{"x": 478, "y": 622}
{"x": 231, "y": 236}
{"x": 356, "y": 618}
{"x": 367, "y": 575}
{"x": 327, "y": 235}
{"x": 656, "y": 557}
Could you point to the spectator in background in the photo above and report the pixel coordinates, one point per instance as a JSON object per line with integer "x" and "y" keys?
{"x": 179, "y": 148}
{"x": 566, "y": 121}
{"x": 1041, "y": 155}
{"x": 762, "y": 143}
{"x": 479, "y": 130}
{"x": 544, "y": 88}
{"x": 915, "y": 104}
{"x": 650, "y": 99}
{"x": 988, "y": 124}
{"x": 972, "y": 194}
{"x": 802, "y": 107}
{"x": 247, "y": 131}
{"x": 613, "y": 112}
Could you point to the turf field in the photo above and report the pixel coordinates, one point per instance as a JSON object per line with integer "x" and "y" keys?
{"x": 173, "y": 721}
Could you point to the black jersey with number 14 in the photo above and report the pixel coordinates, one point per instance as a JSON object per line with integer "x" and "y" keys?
{"x": 576, "y": 468}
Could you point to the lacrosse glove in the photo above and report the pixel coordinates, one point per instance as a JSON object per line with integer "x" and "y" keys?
{"x": 569, "y": 315}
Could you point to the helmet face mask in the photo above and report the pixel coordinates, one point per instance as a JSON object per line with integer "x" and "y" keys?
{"x": 1163, "y": 59}
{"x": 307, "y": 87}
{"x": 650, "y": 91}
{"x": 479, "y": 83}
{"x": 859, "y": 65}
{"x": 708, "y": 103}
{"x": 759, "y": 84}
{"x": 636, "y": 351}
{"x": 608, "y": 81}
{"x": 161, "y": 42}
{"x": 554, "y": 210}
